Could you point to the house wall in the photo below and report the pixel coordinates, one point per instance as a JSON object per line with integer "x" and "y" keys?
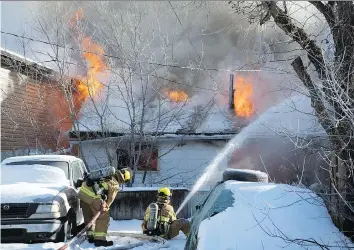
{"x": 182, "y": 164}
{"x": 179, "y": 164}
{"x": 29, "y": 122}
{"x": 95, "y": 154}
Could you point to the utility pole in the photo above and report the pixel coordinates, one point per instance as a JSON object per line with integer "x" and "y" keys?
{"x": 231, "y": 92}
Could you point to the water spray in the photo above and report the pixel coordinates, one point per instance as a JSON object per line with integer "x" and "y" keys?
{"x": 235, "y": 142}
{"x": 269, "y": 119}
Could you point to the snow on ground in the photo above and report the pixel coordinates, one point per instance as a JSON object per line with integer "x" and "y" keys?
{"x": 270, "y": 216}
{"x": 127, "y": 226}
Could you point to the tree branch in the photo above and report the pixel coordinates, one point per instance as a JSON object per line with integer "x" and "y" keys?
{"x": 316, "y": 102}
{"x": 299, "y": 35}
{"x": 326, "y": 10}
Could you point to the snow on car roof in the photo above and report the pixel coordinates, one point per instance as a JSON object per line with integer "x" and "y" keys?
{"x": 67, "y": 158}
{"x": 270, "y": 216}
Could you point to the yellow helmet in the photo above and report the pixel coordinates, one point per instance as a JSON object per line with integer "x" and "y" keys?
{"x": 125, "y": 173}
{"x": 164, "y": 191}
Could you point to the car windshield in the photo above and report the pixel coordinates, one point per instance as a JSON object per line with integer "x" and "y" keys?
{"x": 58, "y": 164}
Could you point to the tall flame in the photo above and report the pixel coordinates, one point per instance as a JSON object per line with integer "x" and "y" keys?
{"x": 93, "y": 53}
{"x": 177, "y": 95}
{"x": 242, "y": 97}
{"x": 79, "y": 14}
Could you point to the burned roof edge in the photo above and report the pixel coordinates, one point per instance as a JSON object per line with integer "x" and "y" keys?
{"x": 12, "y": 61}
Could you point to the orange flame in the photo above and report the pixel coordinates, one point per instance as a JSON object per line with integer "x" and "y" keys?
{"x": 79, "y": 14}
{"x": 242, "y": 97}
{"x": 93, "y": 53}
{"x": 177, "y": 95}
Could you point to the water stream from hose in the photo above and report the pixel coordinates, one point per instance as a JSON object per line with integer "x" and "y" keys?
{"x": 232, "y": 145}
{"x": 277, "y": 118}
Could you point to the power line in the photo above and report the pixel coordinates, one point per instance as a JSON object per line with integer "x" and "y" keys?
{"x": 195, "y": 50}
{"x": 117, "y": 57}
{"x": 156, "y": 76}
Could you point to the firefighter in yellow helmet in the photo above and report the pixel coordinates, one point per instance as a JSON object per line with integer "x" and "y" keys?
{"x": 91, "y": 202}
{"x": 167, "y": 226}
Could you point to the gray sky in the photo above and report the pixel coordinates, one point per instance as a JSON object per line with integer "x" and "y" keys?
{"x": 13, "y": 16}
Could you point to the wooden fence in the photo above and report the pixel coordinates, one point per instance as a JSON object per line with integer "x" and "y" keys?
{"x": 132, "y": 204}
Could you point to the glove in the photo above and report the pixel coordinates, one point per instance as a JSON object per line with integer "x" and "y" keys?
{"x": 104, "y": 206}
{"x": 104, "y": 197}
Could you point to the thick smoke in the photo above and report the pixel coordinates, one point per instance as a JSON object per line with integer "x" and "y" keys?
{"x": 142, "y": 36}
{"x": 191, "y": 34}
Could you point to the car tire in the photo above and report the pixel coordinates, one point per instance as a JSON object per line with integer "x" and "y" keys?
{"x": 67, "y": 229}
{"x": 244, "y": 175}
{"x": 63, "y": 235}
{"x": 74, "y": 227}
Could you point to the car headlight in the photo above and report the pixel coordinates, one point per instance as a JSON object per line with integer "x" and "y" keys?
{"x": 54, "y": 208}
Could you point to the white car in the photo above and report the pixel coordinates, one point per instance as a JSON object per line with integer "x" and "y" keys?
{"x": 244, "y": 211}
{"x": 39, "y": 198}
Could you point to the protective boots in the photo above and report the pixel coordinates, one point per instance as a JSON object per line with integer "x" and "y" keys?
{"x": 103, "y": 243}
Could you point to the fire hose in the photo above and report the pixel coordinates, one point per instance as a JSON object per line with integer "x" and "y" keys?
{"x": 83, "y": 231}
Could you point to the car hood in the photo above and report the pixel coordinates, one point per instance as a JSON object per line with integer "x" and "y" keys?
{"x": 30, "y": 192}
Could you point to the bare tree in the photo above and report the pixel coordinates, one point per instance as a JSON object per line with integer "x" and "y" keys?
{"x": 120, "y": 85}
{"x": 331, "y": 92}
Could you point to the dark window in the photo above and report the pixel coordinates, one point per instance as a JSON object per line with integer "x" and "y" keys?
{"x": 58, "y": 164}
{"x": 148, "y": 158}
{"x": 122, "y": 158}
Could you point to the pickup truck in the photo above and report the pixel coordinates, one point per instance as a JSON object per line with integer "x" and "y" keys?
{"x": 39, "y": 198}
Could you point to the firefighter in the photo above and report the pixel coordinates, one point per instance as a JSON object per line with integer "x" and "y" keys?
{"x": 168, "y": 226}
{"x": 92, "y": 203}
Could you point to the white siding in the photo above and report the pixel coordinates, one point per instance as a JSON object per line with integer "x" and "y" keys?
{"x": 182, "y": 165}
{"x": 94, "y": 154}
{"x": 179, "y": 165}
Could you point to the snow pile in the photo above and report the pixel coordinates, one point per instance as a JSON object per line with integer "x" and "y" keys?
{"x": 128, "y": 226}
{"x": 270, "y": 216}
{"x": 11, "y": 174}
{"x": 31, "y": 183}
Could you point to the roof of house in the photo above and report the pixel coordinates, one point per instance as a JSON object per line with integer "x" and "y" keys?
{"x": 109, "y": 113}
{"x": 293, "y": 117}
{"x": 213, "y": 122}
{"x": 13, "y": 61}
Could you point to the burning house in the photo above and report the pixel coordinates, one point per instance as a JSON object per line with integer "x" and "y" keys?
{"x": 177, "y": 153}
{"x": 174, "y": 152}
{"x": 30, "y": 121}
{"x": 36, "y": 113}
{"x": 166, "y": 132}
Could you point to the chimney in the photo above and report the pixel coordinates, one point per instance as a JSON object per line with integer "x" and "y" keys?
{"x": 231, "y": 92}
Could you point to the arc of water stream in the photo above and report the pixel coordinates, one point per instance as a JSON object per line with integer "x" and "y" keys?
{"x": 235, "y": 142}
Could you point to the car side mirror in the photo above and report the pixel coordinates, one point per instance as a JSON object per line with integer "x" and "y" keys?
{"x": 78, "y": 183}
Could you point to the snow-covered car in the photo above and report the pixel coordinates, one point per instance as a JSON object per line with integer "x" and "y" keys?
{"x": 39, "y": 198}
{"x": 242, "y": 213}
